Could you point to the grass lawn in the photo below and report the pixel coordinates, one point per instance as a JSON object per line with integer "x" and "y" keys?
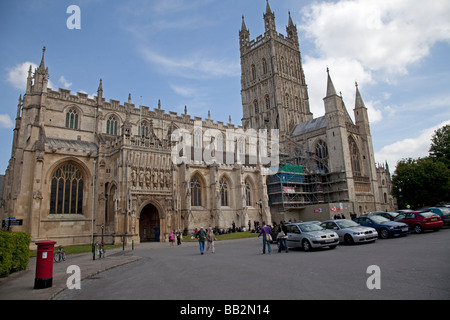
{"x": 88, "y": 248}
{"x": 227, "y": 236}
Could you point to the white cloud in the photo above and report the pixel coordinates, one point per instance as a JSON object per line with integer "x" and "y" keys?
{"x": 66, "y": 84}
{"x": 416, "y": 147}
{"x": 17, "y": 76}
{"x": 387, "y": 35}
{"x": 5, "y": 121}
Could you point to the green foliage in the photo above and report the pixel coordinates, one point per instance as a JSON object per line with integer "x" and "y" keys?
{"x": 421, "y": 182}
{"x": 425, "y": 181}
{"x": 14, "y": 252}
{"x": 440, "y": 145}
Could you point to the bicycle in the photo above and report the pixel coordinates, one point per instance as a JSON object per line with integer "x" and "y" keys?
{"x": 100, "y": 250}
{"x": 60, "y": 255}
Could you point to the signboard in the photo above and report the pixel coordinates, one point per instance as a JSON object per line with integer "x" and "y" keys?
{"x": 318, "y": 210}
{"x": 288, "y": 190}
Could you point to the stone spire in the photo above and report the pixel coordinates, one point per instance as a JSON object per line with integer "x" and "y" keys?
{"x": 331, "y": 91}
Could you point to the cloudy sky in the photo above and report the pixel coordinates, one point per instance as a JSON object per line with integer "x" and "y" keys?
{"x": 186, "y": 53}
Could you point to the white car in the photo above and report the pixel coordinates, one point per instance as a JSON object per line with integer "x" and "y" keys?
{"x": 351, "y": 232}
{"x": 309, "y": 235}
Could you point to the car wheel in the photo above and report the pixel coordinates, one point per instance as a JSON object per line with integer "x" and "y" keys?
{"x": 348, "y": 239}
{"x": 306, "y": 245}
{"x": 418, "y": 228}
{"x": 384, "y": 233}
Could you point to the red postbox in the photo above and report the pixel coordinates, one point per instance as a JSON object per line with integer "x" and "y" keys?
{"x": 44, "y": 264}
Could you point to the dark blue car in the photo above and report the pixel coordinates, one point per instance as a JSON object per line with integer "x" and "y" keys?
{"x": 385, "y": 227}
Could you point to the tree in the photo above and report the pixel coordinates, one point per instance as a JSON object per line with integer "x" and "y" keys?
{"x": 421, "y": 182}
{"x": 440, "y": 145}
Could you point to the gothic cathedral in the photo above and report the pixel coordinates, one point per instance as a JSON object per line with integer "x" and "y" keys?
{"x": 86, "y": 169}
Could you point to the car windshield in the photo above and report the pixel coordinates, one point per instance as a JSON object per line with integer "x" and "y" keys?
{"x": 379, "y": 219}
{"x": 426, "y": 214}
{"x": 444, "y": 209}
{"x": 346, "y": 223}
{"x": 308, "y": 227}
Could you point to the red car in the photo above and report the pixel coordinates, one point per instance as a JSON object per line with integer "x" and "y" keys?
{"x": 420, "y": 220}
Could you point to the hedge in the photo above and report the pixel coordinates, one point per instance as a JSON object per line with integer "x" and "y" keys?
{"x": 14, "y": 252}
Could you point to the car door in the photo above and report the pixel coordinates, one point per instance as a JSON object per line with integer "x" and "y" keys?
{"x": 293, "y": 236}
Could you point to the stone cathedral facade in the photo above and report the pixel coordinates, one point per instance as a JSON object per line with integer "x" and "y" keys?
{"x": 85, "y": 168}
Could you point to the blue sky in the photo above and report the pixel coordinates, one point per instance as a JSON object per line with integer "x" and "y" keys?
{"x": 186, "y": 53}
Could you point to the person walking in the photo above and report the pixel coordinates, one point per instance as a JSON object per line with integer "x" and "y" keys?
{"x": 265, "y": 232}
{"x": 171, "y": 238}
{"x": 282, "y": 237}
{"x": 178, "y": 234}
{"x": 201, "y": 236}
{"x": 210, "y": 238}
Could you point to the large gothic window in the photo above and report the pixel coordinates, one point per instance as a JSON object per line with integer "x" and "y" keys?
{"x": 111, "y": 126}
{"x": 223, "y": 184}
{"x": 66, "y": 191}
{"x": 72, "y": 119}
{"x": 196, "y": 191}
{"x": 248, "y": 194}
{"x": 322, "y": 156}
{"x": 143, "y": 129}
{"x": 354, "y": 155}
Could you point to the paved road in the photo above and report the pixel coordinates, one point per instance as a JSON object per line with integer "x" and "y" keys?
{"x": 411, "y": 267}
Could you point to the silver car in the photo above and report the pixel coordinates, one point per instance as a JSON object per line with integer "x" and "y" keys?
{"x": 310, "y": 235}
{"x": 351, "y": 232}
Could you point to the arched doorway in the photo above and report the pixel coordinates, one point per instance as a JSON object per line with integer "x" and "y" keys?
{"x": 149, "y": 229}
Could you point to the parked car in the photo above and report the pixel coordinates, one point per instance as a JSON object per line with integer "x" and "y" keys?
{"x": 350, "y": 232}
{"x": 385, "y": 227}
{"x": 442, "y": 212}
{"x": 310, "y": 235}
{"x": 387, "y": 215}
{"x": 421, "y": 220}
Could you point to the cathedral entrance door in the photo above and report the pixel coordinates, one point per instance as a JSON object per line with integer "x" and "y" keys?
{"x": 149, "y": 229}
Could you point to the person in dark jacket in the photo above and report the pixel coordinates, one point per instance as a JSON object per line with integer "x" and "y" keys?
{"x": 201, "y": 236}
{"x": 282, "y": 239}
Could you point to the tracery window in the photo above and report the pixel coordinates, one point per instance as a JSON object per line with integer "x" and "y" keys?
{"x": 66, "y": 190}
{"x": 322, "y": 155}
{"x": 248, "y": 194}
{"x": 72, "y": 119}
{"x": 264, "y": 63}
{"x": 223, "y": 185}
{"x": 111, "y": 126}
{"x": 196, "y": 191}
{"x": 143, "y": 129}
{"x": 354, "y": 155}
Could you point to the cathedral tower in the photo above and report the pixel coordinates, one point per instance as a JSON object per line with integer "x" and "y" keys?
{"x": 273, "y": 87}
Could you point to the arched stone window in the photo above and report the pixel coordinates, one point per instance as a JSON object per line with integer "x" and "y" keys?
{"x": 111, "y": 126}
{"x": 72, "y": 119}
{"x": 322, "y": 155}
{"x": 264, "y": 64}
{"x": 223, "y": 185}
{"x": 143, "y": 129}
{"x": 267, "y": 100}
{"x": 66, "y": 190}
{"x": 196, "y": 191}
{"x": 248, "y": 194}
{"x": 354, "y": 156}
{"x": 253, "y": 72}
